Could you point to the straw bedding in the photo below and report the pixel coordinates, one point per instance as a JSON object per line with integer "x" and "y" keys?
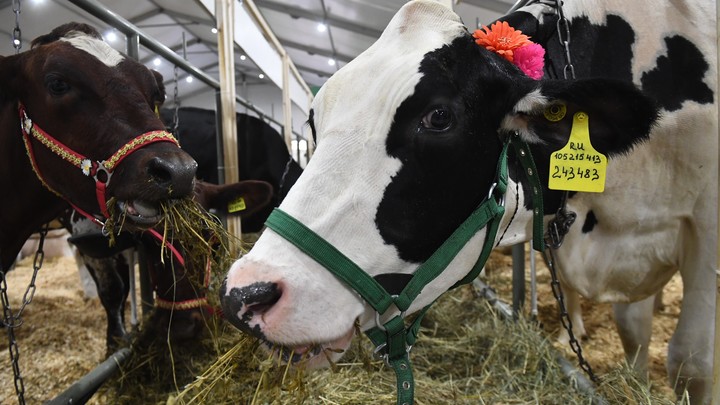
{"x": 465, "y": 354}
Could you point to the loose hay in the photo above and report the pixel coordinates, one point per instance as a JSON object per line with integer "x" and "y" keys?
{"x": 464, "y": 355}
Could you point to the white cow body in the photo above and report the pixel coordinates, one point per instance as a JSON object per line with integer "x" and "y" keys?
{"x": 375, "y": 182}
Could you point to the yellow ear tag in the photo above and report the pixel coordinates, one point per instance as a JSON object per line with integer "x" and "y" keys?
{"x": 555, "y": 112}
{"x": 236, "y": 205}
{"x": 577, "y": 166}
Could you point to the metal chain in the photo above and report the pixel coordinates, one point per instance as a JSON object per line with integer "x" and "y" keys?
{"x": 12, "y": 321}
{"x": 16, "y": 34}
{"x": 176, "y": 103}
{"x": 560, "y": 225}
{"x": 565, "y": 316}
{"x": 563, "y": 29}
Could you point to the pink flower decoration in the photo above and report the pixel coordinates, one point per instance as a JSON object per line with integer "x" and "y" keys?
{"x": 530, "y": 59}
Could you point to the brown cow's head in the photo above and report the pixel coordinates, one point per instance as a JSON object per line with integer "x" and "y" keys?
{"x": 94, "y": 101}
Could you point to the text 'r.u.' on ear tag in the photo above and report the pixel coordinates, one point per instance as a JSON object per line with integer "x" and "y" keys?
{"x": 578, "y": 166}
{"x": 236, "y": 205}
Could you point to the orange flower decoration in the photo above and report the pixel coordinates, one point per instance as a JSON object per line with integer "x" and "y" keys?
{"x": 501, "y": 38}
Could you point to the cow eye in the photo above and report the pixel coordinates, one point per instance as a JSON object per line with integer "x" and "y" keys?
{"x": 57, "y": 86}
{"x": 437, "y": 119}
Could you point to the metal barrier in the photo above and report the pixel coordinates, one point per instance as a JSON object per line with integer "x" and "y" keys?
{"x": 83, "y": 389}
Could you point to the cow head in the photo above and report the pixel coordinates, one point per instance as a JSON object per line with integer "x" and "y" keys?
{"x": 94, "y": 101}
{"x": 408, "y": 140}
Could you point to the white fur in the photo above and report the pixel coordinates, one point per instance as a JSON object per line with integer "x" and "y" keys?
{"x": 94, "y": 46}
{"x": 515, "y": 122}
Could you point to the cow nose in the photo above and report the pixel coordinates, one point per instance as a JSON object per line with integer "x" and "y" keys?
{"x": 173, "y": 173}
{"x": 241, "y": 305}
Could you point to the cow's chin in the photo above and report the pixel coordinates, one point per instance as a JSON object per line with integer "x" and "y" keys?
{"x": 315, "y": 355}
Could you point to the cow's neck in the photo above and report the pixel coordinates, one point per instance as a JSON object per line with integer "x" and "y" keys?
{"x": 27, "y": 204}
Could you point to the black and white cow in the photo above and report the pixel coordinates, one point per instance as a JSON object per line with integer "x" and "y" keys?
{"x": 408, "y": 139}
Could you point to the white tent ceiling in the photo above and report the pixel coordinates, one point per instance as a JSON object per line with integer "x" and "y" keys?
{"x": 352, "y": 26}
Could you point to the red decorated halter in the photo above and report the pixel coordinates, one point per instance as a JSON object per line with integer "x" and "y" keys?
{"x": 101, "y": 171}
{"x": 191, "y": 303}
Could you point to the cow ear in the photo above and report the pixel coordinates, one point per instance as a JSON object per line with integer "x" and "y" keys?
{"x": 244, "y": 198}
{"x": 620, "y": 116}
{"x": 8, "y": 69}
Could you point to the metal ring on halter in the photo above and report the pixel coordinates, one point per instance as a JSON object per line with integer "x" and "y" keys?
{"x": 377, "y": 317}
{"x": 101, "y": 168}
{"x": 501, "y": 201}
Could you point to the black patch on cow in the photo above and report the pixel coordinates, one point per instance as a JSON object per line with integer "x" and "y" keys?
{"x": 445, "y": 174}
{"x": 590, "y": 222}
{"x": 678, "y": 76}
{"x": 596, "y": 50}
{"x": 393, "y": 283}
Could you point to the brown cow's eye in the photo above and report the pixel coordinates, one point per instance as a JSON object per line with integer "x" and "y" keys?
{"x": 437, "y": 119}
{"x": 57, "y": 87}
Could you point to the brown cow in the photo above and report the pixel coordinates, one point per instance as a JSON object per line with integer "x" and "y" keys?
{"x": 91, "y": 135}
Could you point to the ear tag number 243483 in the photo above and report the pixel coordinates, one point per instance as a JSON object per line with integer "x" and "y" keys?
{"x": 578, "y": 166}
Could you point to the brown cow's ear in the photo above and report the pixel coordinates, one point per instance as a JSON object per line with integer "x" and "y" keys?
{"x": 8, "y": 69}
{"x": 161, "y": 87}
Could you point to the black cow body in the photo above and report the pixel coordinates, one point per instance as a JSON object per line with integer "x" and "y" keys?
{"x": 262, "y": 154}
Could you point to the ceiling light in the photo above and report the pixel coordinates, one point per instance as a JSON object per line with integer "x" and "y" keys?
{"x": 321, "y": 27}
{"x": 111, "y": 36}
{"x": 214, "y": 30}
{"x": 262, "y": 76}
{"x": 157, "y": 61}
{"x": 189, "y": 79}
{"x": 331, "y": 62}
{"x": 243, "y": 57}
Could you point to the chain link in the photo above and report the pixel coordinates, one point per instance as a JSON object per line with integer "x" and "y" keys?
{"x": 565, "y": 316}
{"x": 176, "y": 103}
{"x": 563, "y": 29}
{"x": 16, "y": 34}
{"x": 13, "y": 321}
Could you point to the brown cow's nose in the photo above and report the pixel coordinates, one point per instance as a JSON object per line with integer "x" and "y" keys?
{"x": 173, "y": 173}
{"x": 241, "y": 305}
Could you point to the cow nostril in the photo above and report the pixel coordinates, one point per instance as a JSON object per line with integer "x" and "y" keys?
{"x": 261, "y": 297}
{"x": 241, "y": 304}
{"x": 160, "y": 171}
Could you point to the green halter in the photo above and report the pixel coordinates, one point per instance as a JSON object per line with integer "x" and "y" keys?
{"x": 393, "y": 340}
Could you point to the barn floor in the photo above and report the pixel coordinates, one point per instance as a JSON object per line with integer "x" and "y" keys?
{"x": 63, "y": 334}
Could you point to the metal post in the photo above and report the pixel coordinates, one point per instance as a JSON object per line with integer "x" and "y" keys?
{"x": 146, "y": 292}
{"x": 518, "y": 278}
{"x": 533, "y": 285}
{"x": 225, "y": 13}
